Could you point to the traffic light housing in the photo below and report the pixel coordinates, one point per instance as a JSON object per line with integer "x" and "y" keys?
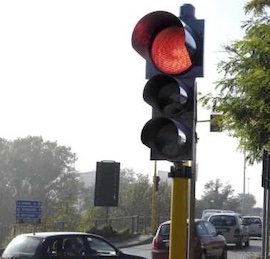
{"x": 107, "y": 184}
{"x": 173, "y": 50}
{"x": 157, "y": 180}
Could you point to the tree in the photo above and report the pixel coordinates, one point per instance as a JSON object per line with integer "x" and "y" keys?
{"x": 221, "y": 196}
{"x": 134, "y": 198}
{"x": 164, "y": 201}
{"x": 243, "y": 93}
{"x": 217, "y": 196}
{"x": 249, "y": 201}
{"x": 33, "y": 169}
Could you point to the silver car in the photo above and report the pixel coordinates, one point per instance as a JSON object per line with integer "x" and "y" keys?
{"x": 255, "y": 225}
{"x": 232, "y": 228}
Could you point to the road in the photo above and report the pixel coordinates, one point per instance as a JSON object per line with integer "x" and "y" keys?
{"x": 233, "y": 252}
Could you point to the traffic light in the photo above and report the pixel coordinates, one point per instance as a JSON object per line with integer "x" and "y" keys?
{"x": 173, "y": 50}
{"x": 156, "y": 181}
{"x": 215, "y": 123}
{"x": 107, "y": 184}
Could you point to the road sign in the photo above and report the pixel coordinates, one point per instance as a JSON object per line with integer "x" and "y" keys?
{"x": 28, "y": 211}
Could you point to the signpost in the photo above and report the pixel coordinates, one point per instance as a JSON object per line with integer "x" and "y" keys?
{"x": 28, "y": 211}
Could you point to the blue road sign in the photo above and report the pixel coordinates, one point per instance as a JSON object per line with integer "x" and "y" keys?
{"x": 28, "y": 210}
{"x": 22, "y": 203}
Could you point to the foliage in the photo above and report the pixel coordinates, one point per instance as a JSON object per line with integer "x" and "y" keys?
{"x": 221, "y": 196}
{"x": 106, "y": 231}
{"x": 243, "y": 93}
{"x": 134, "y": 197}
{"x": 164, "y": 200}
{"x": 33, "y": 169}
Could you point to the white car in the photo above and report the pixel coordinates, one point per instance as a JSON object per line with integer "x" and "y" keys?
{"x": 208, "y": 212}
{"x": 232, "y": 228}
{"x": 255, "y": 225}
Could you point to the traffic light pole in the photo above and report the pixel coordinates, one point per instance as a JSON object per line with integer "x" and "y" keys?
{"x": 154, "y": 201}
{"x": 179, "y": 205}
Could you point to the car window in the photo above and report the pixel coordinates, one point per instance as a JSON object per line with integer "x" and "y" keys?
{"x": 164, "y": 230}
{"x": 210, "y": 228}
{"x": 101, "y": 247}
{"x": 22, "y": 245}
{"x": 201, "y": 229}
{"x": 223, "y": 220}
{"x": 252, "y": 220}
{"x": 68, "y": 246}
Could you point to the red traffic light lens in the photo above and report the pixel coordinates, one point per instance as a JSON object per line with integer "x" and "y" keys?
{"x": 169, "y": 52}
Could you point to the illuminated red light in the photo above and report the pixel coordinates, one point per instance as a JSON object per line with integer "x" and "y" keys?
{"x": 169, "y": 53}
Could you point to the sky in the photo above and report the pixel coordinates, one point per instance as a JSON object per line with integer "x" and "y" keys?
{"x": 68, "y": 73}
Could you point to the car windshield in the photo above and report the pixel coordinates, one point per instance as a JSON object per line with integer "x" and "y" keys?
{"x": 223, "y": 220}
{"x": 164, "y": 230}
{"x": 22, "y": 245}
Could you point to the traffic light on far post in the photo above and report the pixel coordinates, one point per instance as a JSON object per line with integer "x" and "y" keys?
{"x": 173, "y": 50}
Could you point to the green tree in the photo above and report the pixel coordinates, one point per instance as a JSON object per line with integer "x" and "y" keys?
{"x": 164, "y": 201}
{"x": 217, "y": 196}
{"x": 134, "y": 197}
{"x": 242, "y": 95}
{"x": 249, "y": 202}
{"x": 221, "y": 196}
{"x": 33, "y": 169}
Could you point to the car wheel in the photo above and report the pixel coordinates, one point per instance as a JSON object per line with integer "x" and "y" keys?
{"x": 224, "y": 254}
{"x": 247, "y": 243}
{"x": 240, "y": 244}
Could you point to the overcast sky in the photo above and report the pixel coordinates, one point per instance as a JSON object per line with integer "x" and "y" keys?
{"x": 68, "y": 73}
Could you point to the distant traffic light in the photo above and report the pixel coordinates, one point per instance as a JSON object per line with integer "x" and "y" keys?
{"x": 215, "y": 123}
{"x": 173, "y": 50}
{"x": 156, "y": 181}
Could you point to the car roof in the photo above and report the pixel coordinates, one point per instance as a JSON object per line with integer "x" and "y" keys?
{"x": 60, "y": 233}
{"x": 226, "y": 214}
{"x": 252, "y": 217}
{"x": 196, "y": 220}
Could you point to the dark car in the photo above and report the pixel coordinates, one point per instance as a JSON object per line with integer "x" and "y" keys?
{"x": 55, "y": 245}
{"x": 208, "y": 243}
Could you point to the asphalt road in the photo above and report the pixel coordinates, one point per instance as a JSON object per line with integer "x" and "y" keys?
{"x": 247, "y": 252}
{"x": 233, "y": 251}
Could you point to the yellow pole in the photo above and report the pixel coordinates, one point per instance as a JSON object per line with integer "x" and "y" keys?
{"x": 178, "y": 232}
{"x": 154, "y": 201}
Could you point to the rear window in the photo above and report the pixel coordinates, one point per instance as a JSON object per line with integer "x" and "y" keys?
{"x": 23, "y": 246}
{"x": 223, "y": 220}
{"x": 252, "y": 220}
{"x": 164, "y": 230}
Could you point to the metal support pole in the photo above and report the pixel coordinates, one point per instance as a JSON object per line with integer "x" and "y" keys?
{"x": 244, "y": 186}
{"x": 266, "y": 204}
{"x": 192, "y": 191}
{"x": 154, "y": 202}
{"x": 265, "y": 224}
{"x": 192, "y": 205}
{"x": 179, "y": 202}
